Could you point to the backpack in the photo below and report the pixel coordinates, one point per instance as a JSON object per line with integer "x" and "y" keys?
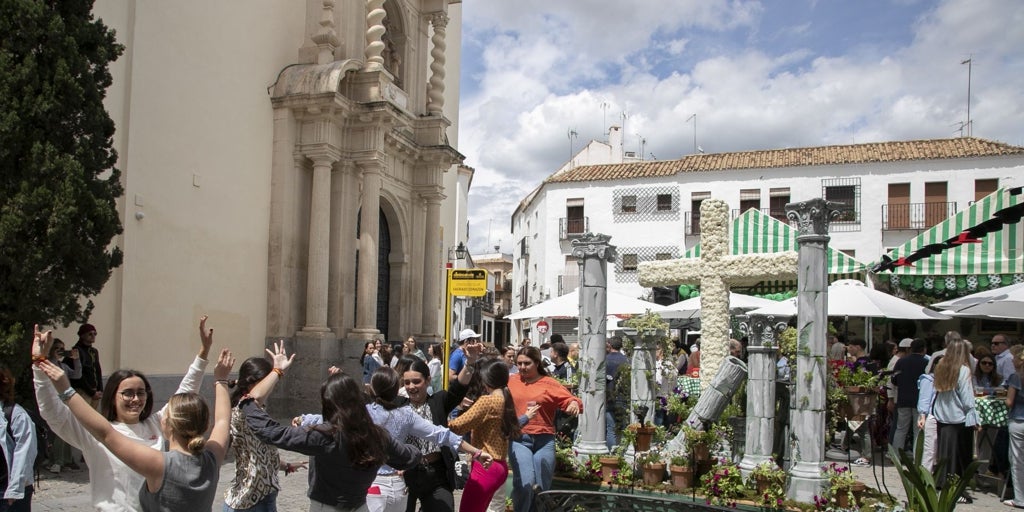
{"x": 42, "y": 438}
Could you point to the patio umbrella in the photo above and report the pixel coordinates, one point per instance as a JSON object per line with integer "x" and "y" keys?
{"x": 738, "y": 302}
{"x": 849, "y": 297}
{"x": 1006, "y": 302}
{"x": 568, "y": 305}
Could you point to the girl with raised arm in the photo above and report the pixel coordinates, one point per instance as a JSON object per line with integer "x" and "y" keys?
{"x": 127, "y": 404}
{"x": 182, "y": 478}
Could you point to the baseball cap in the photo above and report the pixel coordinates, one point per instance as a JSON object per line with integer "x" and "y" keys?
{"x": 467, "y": 334}
{"x": 906, "y": 342}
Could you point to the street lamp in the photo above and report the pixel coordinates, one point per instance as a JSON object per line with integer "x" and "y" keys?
{"x": 460, "y": 251}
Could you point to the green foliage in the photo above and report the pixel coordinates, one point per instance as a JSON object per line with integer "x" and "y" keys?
{"x": 58, "y": 184}
{"x": 775, "y": 478}
{"x": 919, "y": 483}
{"x": 648, "y": 324}
{"x": 723, "y": 485}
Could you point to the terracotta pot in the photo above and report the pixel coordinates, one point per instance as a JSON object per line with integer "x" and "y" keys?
{"x": 859, "y": 405}
{"x": 682, "y": 477}
{"x": 654, "y": 473}
{"x": 644, "y": 435}
{"x": 609, "y": 465}
{"x": 701, "y": 452}
{"x": 763, "y": 484}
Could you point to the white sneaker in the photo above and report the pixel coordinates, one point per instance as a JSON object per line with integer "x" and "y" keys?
{"x": 54, "y": 468}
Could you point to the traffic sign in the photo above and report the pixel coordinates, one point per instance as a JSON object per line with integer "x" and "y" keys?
{"x": 542, "y": 327}
{"x": 468, "y": 282}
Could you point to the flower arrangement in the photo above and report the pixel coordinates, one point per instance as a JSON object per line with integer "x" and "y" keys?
{"x": 840, "y": 482}
{"x": 589, "y": 470}
{"x": 623, "y": 476}
{"x": 652, "y": 456}
{"x": 770, "y": 481}
{"x": 723, "y": 485}
{"x": 848, "y": 374}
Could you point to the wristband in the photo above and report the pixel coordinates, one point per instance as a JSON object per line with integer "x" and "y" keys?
{"x": 279, "y": 372}
{"x": 67, "y": 394}
{"x": 38, "y": 359}
{"x": 477, "y": 454}
{"x": 222, "y": 381}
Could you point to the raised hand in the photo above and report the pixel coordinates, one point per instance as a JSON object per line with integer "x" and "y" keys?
{"x": 205, "y": 336}
{"x": 41, "y": 343}
{"x": 56, "y": 375}
{"x": 280, "y": 357}
{"x": 74, "y": 353}
{"x": 333, "y": 370}
{"x": 224, "y": 365}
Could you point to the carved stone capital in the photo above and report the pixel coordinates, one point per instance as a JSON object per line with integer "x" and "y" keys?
{"x": 593, "y": 245}
{"x": 812, "y": 217}
{"x": 439, "y": 20}
{"x": 763, "y": 330}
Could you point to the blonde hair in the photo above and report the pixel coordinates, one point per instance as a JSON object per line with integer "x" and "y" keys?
{"x": 188, "y": 418}
{"x": 947, "y": 372}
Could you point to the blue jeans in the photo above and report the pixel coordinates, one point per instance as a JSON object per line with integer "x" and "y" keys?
{"x": 533, "y": 463}
{"x": 267, "y": 504}
{"x": 24, "y": 504}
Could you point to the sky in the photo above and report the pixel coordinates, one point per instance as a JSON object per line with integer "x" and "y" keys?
{"x": 757, "y": 74}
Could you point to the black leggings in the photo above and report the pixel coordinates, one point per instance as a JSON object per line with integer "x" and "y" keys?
{"x": 954, "y": 448}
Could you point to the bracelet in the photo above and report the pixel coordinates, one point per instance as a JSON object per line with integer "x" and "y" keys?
{"x": 279, "y": 372}
{"x": 38, "y": 359}
{"x": 222, "y": 381}
{"x": 67, "y": 394}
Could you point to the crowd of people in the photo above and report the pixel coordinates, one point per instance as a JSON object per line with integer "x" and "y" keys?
{"x": 386, "y": 441}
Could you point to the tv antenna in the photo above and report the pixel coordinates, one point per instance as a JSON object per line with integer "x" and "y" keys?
{"x": 970, "y": 63}
{"x": 572, "y": 135}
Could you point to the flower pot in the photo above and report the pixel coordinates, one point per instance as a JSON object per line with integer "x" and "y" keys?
{"x": 843, "y": 494}
{"x": 644, "y": 435}
{"x": 609, "y": 465}
{"x": 763, "y": 484}
{"x": 859, "y": 405}
{"x": 654, "y": 473}
{"x": 701, "y": 452}
{"x": 682, "y": 477}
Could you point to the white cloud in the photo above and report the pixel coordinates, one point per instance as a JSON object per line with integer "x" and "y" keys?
{"x": 550, "y": 66}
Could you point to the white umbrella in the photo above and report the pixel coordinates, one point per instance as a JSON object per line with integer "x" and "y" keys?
{"x": 849, "y": 297}
{"x": 738, "y": 302}
{"x": 568, "y": 305}
{"x": 1006, "y": 302}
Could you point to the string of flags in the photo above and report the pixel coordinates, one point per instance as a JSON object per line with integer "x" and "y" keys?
{"x": 972, "y": 235}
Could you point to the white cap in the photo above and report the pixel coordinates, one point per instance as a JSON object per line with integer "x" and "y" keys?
{"x": 906, "y": 342}
{"x": 467, "y": 334}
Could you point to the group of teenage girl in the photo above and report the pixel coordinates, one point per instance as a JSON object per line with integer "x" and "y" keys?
{"x": 386, "y": 446}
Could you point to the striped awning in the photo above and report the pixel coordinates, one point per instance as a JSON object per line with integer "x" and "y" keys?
{"x": 998, "y": 260}
{"x": 753, "y": 232}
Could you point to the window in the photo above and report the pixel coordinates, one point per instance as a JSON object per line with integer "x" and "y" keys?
{"x": 662, "y": 256}
{"x": 628, "y": 204}
{"x": 750, "y": 198}
{"x": 983, "y": 188}
{"x": 665, "y": 202}
{"x": 849, "y": 252}
{"x": 629, "y": 262}
{"x": 844, "y": 193}
{"x": 777, "y": 200}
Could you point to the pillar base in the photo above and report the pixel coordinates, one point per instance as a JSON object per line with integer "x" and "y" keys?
{"x": 315, "y": 328}
{"x": 585, "y": 448}
{"x": 751, "y": 461}
{"x": 362, "y": 333}
{"x": 299, "y": 391}
{"x": 805, "y": 482}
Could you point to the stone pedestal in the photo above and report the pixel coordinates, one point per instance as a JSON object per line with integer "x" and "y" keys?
{"x": 315, "y": 352}
{"x": 593, "y": 253}
{"x": 807, "y": 418}
{"x": 761, "y": 362}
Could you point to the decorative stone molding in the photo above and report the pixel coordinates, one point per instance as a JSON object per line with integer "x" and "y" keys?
{"x": 592, "y": 245}
{"x": 326, "y": 38}
{"x": 812, "y": 217}
{"x": 375, "y": 14}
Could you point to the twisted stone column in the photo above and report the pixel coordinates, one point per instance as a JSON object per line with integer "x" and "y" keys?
{"x": 375, "y": 14}
{"x": 808, "y": 416}
{"x": 435, "y": 87}
{"x": 593, "y": 252}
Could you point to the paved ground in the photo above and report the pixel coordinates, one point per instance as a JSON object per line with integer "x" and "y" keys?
{"x": 70, "y": 490}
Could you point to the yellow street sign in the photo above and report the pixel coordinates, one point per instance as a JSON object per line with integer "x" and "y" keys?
{"x": 468, "y": 283}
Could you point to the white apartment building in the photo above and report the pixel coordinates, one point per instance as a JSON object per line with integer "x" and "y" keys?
{"x": 889, "y": 191}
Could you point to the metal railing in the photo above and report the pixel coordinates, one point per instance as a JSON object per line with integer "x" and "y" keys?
{"x": 572, "y": 227}
{"x": 915, "y": 215}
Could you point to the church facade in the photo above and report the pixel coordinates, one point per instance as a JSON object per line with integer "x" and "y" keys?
{"x": 291, "y": 170}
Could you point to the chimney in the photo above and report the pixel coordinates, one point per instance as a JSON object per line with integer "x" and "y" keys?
{"x": 615, "y": 141}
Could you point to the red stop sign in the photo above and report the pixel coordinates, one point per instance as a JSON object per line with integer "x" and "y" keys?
{"x": 542, "y": 327}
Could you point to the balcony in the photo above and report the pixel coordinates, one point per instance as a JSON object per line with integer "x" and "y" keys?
{"x": 502, "y": 285}
{"x": 572, "y": 227}
{"x": 916, "y": 216}
{"x": 567, "y": 283}
{"x": 692, "y": 223}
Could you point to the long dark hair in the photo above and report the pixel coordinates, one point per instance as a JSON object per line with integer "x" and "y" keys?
{"x": 342, "y": 402}
{"x": 384, "y": 385}
{"x": 538, "y": 360}
{"x": 495, "y": 376}
{"x": 250, "y": 373}
{"x": 362, "y": 359}
{"x": 419, "y": 367}
{"x": 107, "y": 402}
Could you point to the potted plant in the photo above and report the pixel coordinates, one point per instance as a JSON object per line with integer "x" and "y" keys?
{"x": 699, "y": 442}
{"x": 680, "y": 471}
{"x": 590, "y": 469}
{"x": 640, "y": 434}
{"x": 843, "y": 487}
{"x": 770, "y": 481}
{"x": 610, "y": 465}
{"x": 723, "y": 485}
{"x": 652, "y": 464}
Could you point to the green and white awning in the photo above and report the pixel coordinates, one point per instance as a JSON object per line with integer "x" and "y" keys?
{"x": 756, "y": 233}
{"x": 998, "y": 260}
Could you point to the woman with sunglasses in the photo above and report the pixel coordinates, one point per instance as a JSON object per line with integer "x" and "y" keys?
{"x": 127, "y": 404}
{"x": 986, "y": 378}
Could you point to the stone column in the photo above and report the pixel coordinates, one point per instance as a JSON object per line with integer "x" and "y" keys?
{"x": 431, "y": 265}
{"x": 369, "y": 227}
{"x": 763, "y": 353}
{"x": 375, "y": 15}
{"x": 593, "y": 253}
{"x": 435, "y": 86}
{"x": 642, "y": 378}
{"x": 807, "y": 418}
{"x": 319, "y": 244}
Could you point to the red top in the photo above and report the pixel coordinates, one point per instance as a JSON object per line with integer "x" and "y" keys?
{"x": 550, "y": 394}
